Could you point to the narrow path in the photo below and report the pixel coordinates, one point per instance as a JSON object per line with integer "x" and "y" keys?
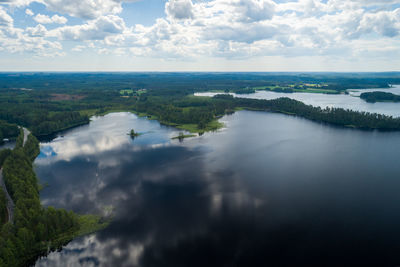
{"x": 10, "y": 202}
{"x": 26, "y": 133}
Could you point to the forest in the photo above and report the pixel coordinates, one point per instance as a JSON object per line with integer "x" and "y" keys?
{"x": 35, "y": 229}
{"x": 47, "y": 103}
{"x": 373, "y": 97}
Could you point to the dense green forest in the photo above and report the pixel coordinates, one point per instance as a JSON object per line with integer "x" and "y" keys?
{"x": 8, "y": 130}
{"x": 35, "y": 229}
{"x": 373, "y": 97}
{"x": 3, "y": 207}
{"x": 47, "y": 103}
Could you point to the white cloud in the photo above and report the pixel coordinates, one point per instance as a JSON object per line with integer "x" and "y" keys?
{"x": 5, "y": 19}
{"x": 97, "y": 29}
{"x": 16, "y": 40}
{"x": 255, "y": 10}
{"x": 384, "y": 23}
{"x": 233, "y": 29}
{"x": 29, "y": 12}
{"x": 44, "y": 19}
{"x": 78, "y": 48}
{"x": 86, "y": 9}
{"x": 179, "y": 9}
{"x": 39, "y": 30}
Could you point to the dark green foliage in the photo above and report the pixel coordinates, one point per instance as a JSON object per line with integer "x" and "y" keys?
{"x": 31, "y": 147}
{"x": 337, "y": 116}
{"x": 8, "y": 130}
{"x": 35, "y": 228}
{"x": 283, "y": 90}
{"x": 36, "y": 111}
{"x": 373, "y": 97}
{"x": 133, "y": 134}
{"x": 167, "y": 98}
{"x": 51, "y": 123}
{"x": 4, "y": 153}
{"x": 3, "y": 208}
{"x": 244, "y": 91}
{"x": 20, "y": 139}
{"x": 164, "y": 96}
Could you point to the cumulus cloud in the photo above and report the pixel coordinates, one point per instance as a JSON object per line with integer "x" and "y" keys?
{"x": 384, "y": 23}
{"x": 5, "y": 19}
{"x": 39, "y": 30}
{"x": 78, "y": 48}
{"x": 85, "y": 9}
{"x": 29, "y": 12}
{"x": 255, "y": 10}
{"x": 223, "y": 28}
{"x": 44, "y": 19}
{"x": 179, "y": 9}
{"x": 96, "y": 29}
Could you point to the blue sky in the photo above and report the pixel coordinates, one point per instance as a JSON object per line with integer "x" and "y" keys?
{"x": 190, "y": 35}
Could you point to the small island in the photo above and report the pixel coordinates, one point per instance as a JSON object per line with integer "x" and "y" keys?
{"x": 133, "y": 134}
{"x": 373, "y": 97}
{"x": 182, "y": 136}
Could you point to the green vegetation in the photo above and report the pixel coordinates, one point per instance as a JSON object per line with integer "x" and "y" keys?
{"x": 373, "y": 97}
{"x": 3, "y": 207}
{"x": 302, "y": 88}
{"x": 182, "y": 136}
{"x": 8, "y": 130}
{"x": 126, "y": 92}
{"x": 60, "y": 101}
{"x": 31, "y": 147}
{"x": 130, "y": 92}
{"x": 90, "y": 223}
{"x": 35, "y": 229}
{"x": 38, "y": 112}
{"x": 335, "y": 116}
{"x": 4, "y": 153}
{"x": 133, "y": 134}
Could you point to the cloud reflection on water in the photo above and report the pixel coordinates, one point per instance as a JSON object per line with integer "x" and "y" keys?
{"x": 272, "y": 190}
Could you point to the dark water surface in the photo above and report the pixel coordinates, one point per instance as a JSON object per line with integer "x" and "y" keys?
{"x": 269, "y": 190}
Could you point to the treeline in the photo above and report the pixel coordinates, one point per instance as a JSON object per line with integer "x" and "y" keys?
{"x": 181, "y": 82}
{"x": 203, "y": 110}
{"x": 167, "y": 98}
{"x": 8, "y": 130}
{"x": 373, "y": 97}
{"x": 336, "y": 116}
{"x": 172, "y": 113}
{"x": 55, "y": 122}
{"x": 3, "y": 207}
{"x": 4, "y": 153}
{"x": 38, "y": 112}
{"x": 35, "y": 229}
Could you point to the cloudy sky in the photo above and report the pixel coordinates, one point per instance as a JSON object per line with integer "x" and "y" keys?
{"x": 200, "y": 35}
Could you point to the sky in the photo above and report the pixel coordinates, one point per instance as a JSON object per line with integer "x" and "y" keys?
{"x": 200, "y": 35}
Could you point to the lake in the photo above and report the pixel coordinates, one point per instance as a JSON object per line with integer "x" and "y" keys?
{"x": 350, "y": 101}
{"x": 268, "y": 189}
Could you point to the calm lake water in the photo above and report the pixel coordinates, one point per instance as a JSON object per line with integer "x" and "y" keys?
{"x": 350, "y": 101}
{"x": 269, "y": 189}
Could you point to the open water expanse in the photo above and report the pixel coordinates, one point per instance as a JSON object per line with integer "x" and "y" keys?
{"x": 350, "y": 101}
{"x": 267, "y": 190}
